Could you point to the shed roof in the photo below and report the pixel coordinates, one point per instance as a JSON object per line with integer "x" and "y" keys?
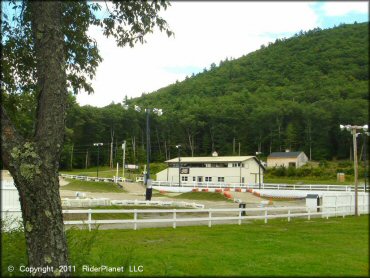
{"x": 285, "y": 154}
{"x": 210, "y": 159}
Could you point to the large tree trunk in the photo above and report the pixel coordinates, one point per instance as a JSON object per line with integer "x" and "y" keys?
{"x": 34, "y": 163}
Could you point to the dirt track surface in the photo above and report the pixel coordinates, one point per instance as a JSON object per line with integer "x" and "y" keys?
{"x": 136, "y": 191}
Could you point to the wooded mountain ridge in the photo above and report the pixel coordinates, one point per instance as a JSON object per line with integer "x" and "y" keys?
{"x": 291, "y": 94}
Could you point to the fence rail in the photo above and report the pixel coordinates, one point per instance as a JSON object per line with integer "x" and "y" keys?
{"x": 209, "y": 215}
{"x": 240, "y": 214}
{"x": 275, "y": 186}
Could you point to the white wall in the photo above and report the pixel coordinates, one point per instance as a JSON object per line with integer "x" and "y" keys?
{"x": 347, "y": 199}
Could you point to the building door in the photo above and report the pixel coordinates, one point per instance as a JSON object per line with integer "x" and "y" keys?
{"x": 200, "y": 179}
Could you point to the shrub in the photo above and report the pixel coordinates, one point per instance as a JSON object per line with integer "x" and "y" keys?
{"x": 323, "y": 164}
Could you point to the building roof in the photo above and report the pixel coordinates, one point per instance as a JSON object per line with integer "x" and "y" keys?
{"x": 210, "y": 159}
{"x": 285, "y": 154}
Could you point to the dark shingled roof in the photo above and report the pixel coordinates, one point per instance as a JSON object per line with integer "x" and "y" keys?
{"x": 285, "y": 154}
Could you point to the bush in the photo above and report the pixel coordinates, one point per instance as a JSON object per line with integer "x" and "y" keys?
{"x": 345, "y": 164}
{"x": 291, "y": 172}
{"x": 323, "y": 164}
{"x": 279, "y": 171}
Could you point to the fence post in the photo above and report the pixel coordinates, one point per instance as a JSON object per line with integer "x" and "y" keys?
{"x": 174, "y": 219}
{"x": 89, "y": 219}
{"x": 265, "y": 215}
{"x": 288, "y": 215}
{"x": 210, "y": 219}
{"x": 240, "y": 217}
{"x": 135, "y": 219}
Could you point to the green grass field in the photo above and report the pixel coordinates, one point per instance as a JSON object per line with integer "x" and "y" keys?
{"x": 91, "y": 186}
{"x": 319, "y": 247}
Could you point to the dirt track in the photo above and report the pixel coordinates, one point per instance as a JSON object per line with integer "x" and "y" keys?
{"x": 136, "y": 191}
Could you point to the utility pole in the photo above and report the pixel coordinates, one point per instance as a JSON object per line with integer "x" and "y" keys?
{"x": 179, "y": 150}
{"x": 97, "y": 164}
{"x": 234, "y": 146}
{"x": 356, "y": 170}
{"x": 365, "y": 163}
{"x": 123, "y": 158}
{"x": 353, "y": 129}
{"x": 148, "y": 181}
{"x": 239, "y": 148}
{"x": 111, "y": 149}
{"x": 72, "y": 157}
{"x": 87, "y": 154}
{"x": 259, "y": 169}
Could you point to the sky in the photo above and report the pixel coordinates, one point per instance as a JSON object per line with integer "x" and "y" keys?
{"x": 205, "y": 33}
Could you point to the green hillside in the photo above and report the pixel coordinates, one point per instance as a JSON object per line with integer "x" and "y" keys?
{"x": 291, "y": 94}
{"x": 286, "y": 95}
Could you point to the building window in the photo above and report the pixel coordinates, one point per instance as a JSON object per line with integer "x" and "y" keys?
{"x": 184, "y": 178}
{"x": 208, "y": 178}
{"x": 236, "y": 164}
{"x": 221, "y": 179}
{"x": 194, "y": 179}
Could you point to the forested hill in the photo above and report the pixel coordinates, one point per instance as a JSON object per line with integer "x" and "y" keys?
{"x": 286, "y": 95}
{"x": 291, "y": 94}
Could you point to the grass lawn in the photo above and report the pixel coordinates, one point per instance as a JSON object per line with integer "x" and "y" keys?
{"x": 210, "y": 196}
{"x": 319, "y": 247}
{"x": 104, "y": 172}
{"x": 91, "y": 186}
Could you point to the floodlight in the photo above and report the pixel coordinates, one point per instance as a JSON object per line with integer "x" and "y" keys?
{"x": 341, "y": 127}
{"x": 137, "y": 108}
{"x": 365, "y": 127}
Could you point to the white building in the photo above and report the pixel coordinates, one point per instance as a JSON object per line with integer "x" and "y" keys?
{"x": 287, "y": 159}
{"x": 215, "y": 169}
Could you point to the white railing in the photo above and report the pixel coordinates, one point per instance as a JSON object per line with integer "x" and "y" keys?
{"x": 86, "y": 178}
{"x": 316, "y": 187}
{"x": 156, "y": 203}
{"x": 237, "y": 214}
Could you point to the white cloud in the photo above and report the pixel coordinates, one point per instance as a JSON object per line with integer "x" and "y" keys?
{"x": 205, "y": 32}
{"x": 343, "y": 8}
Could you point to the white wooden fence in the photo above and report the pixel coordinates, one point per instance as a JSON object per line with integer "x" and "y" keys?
{"x": 66, "y": 202}
{"x": 209, "y": 215}
{"x": 274, "y": 186}
{"x": 237, "y": 214}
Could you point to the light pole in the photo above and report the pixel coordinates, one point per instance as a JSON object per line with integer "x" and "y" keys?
{"x": 365, "y": 163}
{"x": 259, "y": 169}
{"x": 123, "y": 159}
{"x": 147, "y": 180}
{"x": 179, "y": 150}
{"x": 353, "y": 129}
{"x": 97, "y": 164}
